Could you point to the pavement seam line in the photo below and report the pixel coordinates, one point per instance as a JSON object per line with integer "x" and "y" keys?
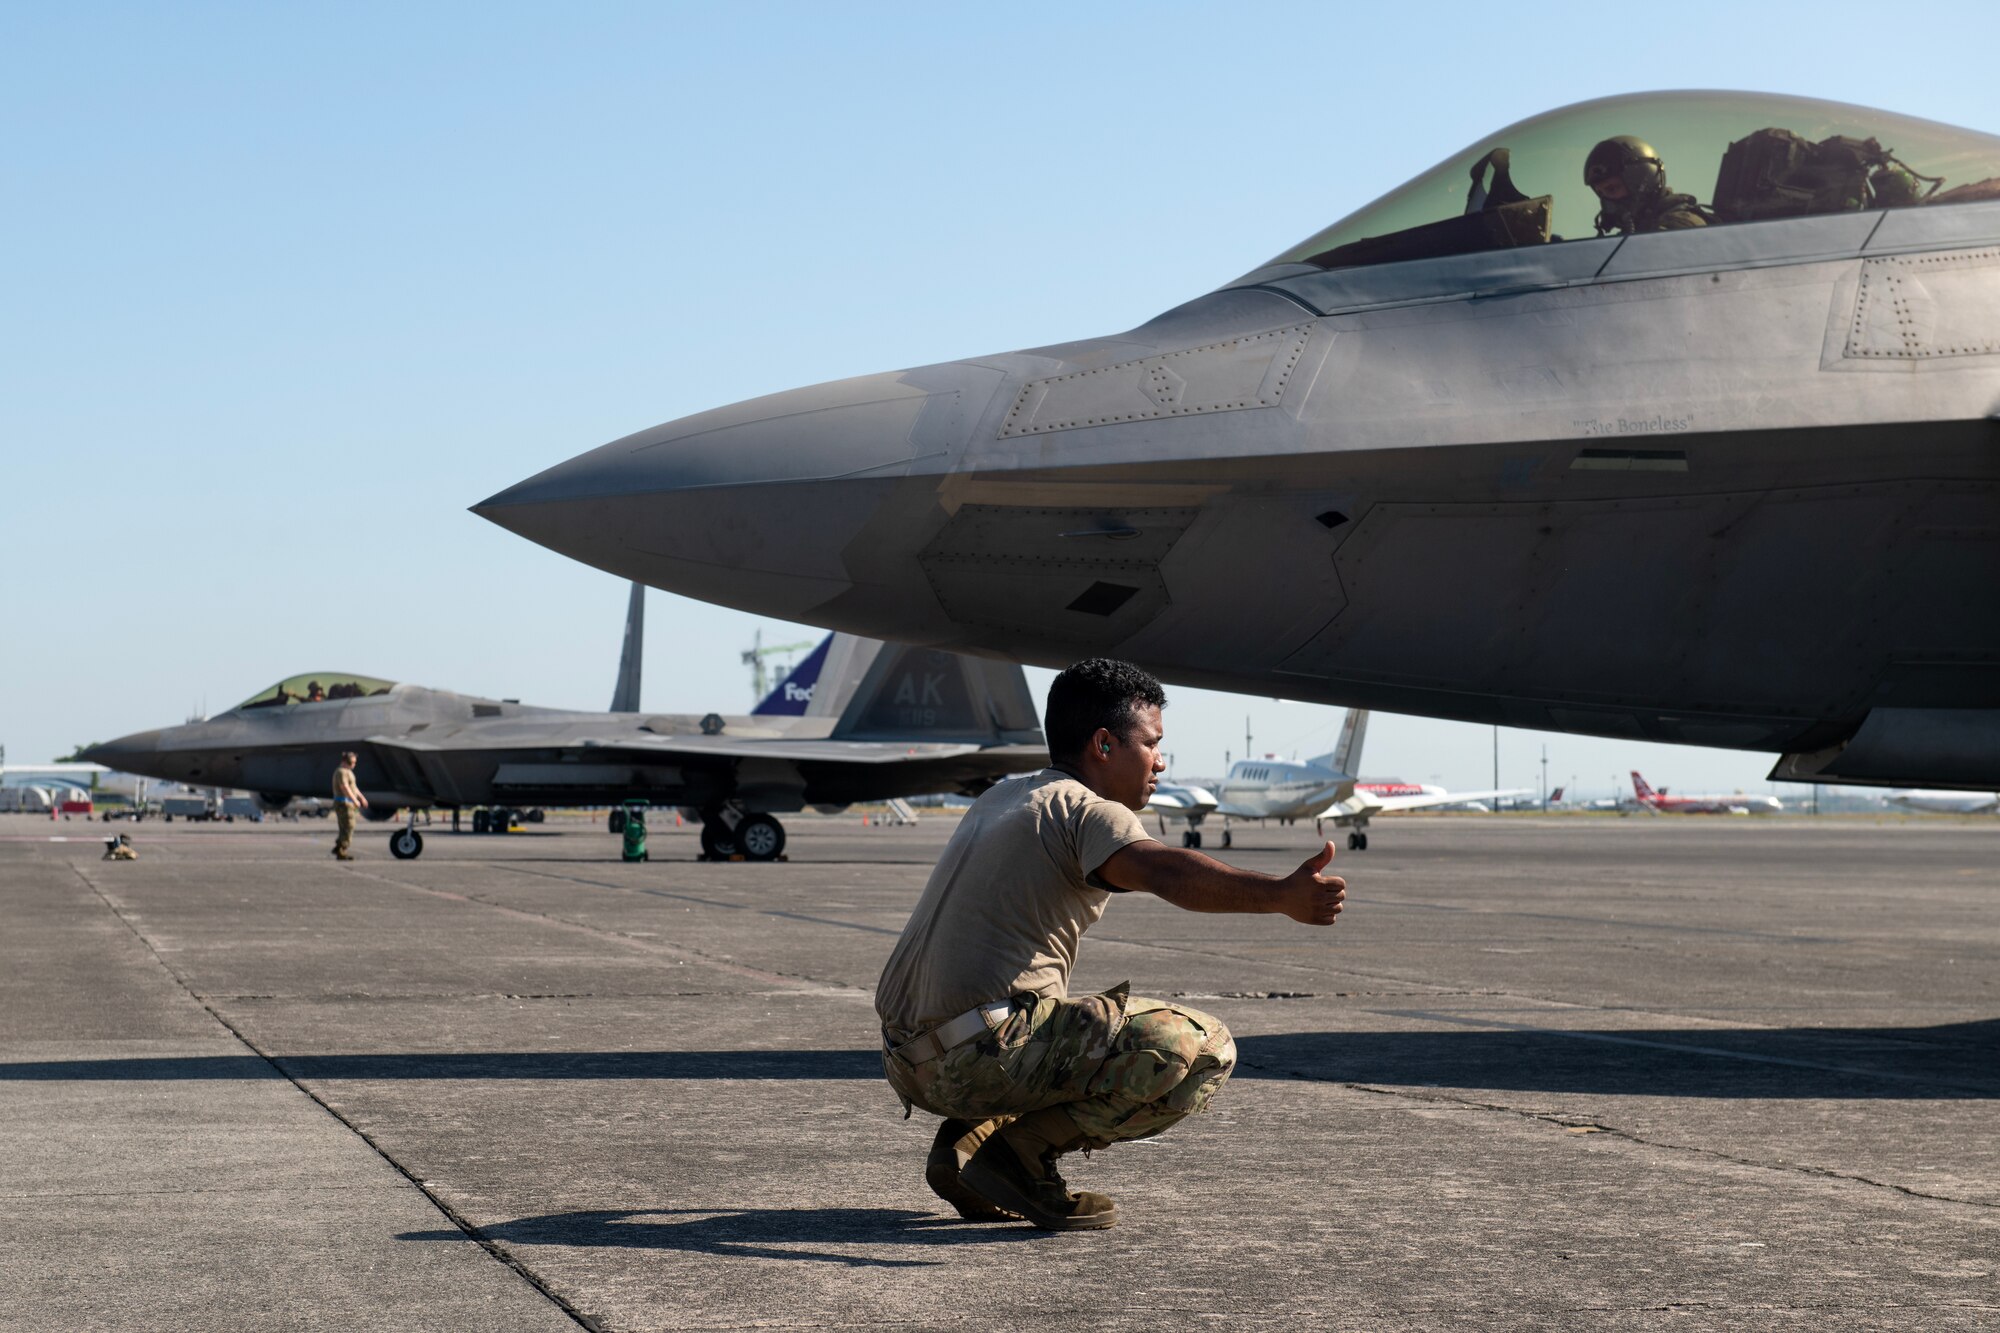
{"x": 829, "y": 988}
{"x": 471, "y": 1232}
{"x": 1623, "y": 1135}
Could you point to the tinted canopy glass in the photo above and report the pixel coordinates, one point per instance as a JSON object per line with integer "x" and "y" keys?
{"x": 317, "y": 687}
{"x": 1742, "y": 157}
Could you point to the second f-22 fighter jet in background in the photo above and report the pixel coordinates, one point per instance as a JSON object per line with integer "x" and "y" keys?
{"x": 857, "y": 720}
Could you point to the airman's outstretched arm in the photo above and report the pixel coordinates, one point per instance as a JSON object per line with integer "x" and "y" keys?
{"x": 1199, "y": 883}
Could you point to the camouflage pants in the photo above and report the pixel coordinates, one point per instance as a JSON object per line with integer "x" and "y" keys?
{"x": 343, "y": 818}
{"x": 1123, "y": 1067}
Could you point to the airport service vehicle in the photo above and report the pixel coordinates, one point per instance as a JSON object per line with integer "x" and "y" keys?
{"x": 191, "y": 806}
{"x": 1946, "y": 802}
{"x": 1734, "y": 803}
{"x": 1441, "y": 457}
{"x": 873, "y": 722}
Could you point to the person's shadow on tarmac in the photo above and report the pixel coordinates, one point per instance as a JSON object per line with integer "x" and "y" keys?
{"x": 756, "y": 1233}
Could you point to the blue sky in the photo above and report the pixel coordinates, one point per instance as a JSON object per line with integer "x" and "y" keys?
{"x": 289, "y": 287}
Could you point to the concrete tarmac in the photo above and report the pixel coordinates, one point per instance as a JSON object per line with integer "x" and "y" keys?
{"x": 1571, "y": 1073}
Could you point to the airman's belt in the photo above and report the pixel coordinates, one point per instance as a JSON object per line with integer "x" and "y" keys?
{"x": 954, "y": 1032}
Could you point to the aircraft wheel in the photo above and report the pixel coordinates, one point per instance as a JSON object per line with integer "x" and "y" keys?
{"x": 1196, "y": 835}
{"x": 1225, "y": 839}
{"x": 717, "y": 842}
{"x": 479, "y": 821}
{"x": 761, "y": 837}
{"x": 406, "y": 844}
{"x": 1187, "y": 838}
{"x": 1362, "y": 844}
{"x": 617, "y": 821}
{"x": 1354, "y": 842}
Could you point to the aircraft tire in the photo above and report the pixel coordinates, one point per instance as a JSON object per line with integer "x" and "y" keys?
{"x": 717, "y": 842}
{"x": 1225, "y": 839}
{"x": 761, "y": 837}
{"x": 406, "y": 844}
{"x": 1362, "y": 844}
{"x": 1354, "y": 842}
{"x": 1187, "y": 839}
{"x": 479, "y": 821}
{"x": 617, "y": 821}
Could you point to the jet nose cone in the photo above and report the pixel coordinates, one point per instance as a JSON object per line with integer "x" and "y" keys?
{"x": 847, "y": 428}
{"x": 752, "y": 504}
{"x": 124, "y": 752}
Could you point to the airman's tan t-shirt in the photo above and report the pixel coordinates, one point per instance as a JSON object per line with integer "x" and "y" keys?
{"x": 1008, "y": 902}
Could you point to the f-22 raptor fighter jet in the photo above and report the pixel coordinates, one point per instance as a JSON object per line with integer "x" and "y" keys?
{"x": 1664, "y": 417}
{"x": 856, "y": 721}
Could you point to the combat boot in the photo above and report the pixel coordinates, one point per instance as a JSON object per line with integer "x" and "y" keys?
{"x": 956, "y": 1142}
{"x": 1016, "y": 1169}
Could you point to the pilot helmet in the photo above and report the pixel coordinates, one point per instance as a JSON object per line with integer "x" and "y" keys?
{"x": 1894, "y": 185}
{"x": 1628, "y": 159}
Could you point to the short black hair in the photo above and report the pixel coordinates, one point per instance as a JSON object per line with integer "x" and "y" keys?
{"x": 1096, "y": 692}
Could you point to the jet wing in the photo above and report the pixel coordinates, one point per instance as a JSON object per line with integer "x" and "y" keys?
{"x": 725, "y": 747}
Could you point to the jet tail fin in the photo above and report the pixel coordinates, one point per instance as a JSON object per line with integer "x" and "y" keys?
{"x": 1346, "y": 756}
{"x": 793, "y": 695}
{"x": 1639, "y": 787}
{"x": 892, "y": 691}
{"x": 625, "y": 693}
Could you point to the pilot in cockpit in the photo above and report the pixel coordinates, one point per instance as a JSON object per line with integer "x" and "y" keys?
{"x": 1631, "y": 186}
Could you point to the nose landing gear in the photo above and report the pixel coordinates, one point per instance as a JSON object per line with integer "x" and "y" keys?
{"x": 406, "y": 844}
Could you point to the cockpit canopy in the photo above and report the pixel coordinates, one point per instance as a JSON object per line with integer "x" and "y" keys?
{"x": 1744, "y": 157}
{"x": 317, "y": 687}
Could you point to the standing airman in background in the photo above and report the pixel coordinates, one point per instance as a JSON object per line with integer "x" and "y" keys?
{"x": 1631, "y": 185}
{"x": 347, "y": 799}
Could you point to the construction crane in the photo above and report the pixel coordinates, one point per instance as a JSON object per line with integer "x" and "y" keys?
{"x": 760, "y": 675}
